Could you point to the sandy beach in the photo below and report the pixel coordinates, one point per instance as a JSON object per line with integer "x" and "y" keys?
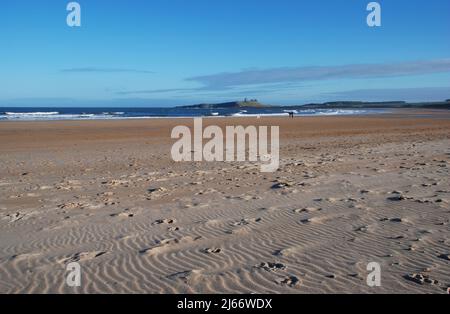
{"x": 350, "y": 190}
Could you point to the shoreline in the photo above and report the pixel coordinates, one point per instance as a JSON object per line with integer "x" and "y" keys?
{"x": 397, "y": 112}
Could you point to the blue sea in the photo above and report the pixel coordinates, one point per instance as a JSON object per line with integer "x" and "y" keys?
{"x": 30, "y": 114}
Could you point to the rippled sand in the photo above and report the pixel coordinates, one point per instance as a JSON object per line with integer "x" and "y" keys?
{"x": 106, "y": 194}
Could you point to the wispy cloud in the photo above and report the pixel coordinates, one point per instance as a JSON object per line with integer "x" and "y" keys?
{"x": 256, "y": 82}
{"x": 318, "y": 73}
{"x": 233, "y": 91}
{"x": 104, "y": 70}
{"x": 156, "y": 91}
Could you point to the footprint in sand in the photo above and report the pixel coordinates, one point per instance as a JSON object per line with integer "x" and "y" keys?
{"x": 421, "y": 279}
{"x": 306, "y": 210}
{"x": 164, "y": 245}
{"x": 397, "y": 196}
{"x": 14, "y": 217}
{"x": 212, "y": 250}
{"x": 164, "y": 221}
{"x": 289, "y": 251}
{"x": 123, "y": 215}
{"x": 282, "y": 185}
{"x": 115, "y": 183}
{"x": 270, "y": 209}
{"x": 362, "y": 229}
{"x": 159, "y": 247}
{"x": 445, "y": 257}
{"x": 271, "y": 266}
{"x": 290, "y": 281}
{"x": 72, "y": 205}
{"x": 185, "y": 276}
{"x": 398, "y": 237}
{"x": 156, "y": 192}
{"x": 312, "y": 220}
{"x": 244, "y": 222}
{"x": 105, "y": 194}
{"x": 395, "y": 219}
{"x": 82, "y": 256}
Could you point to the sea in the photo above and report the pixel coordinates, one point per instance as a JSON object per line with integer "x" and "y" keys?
{"x": 31, "y": 114}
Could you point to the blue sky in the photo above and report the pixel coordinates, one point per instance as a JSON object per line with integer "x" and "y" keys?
{"x": 171, "y": 52}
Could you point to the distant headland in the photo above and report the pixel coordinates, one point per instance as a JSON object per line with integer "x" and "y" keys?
{"x": 254, "y": 103}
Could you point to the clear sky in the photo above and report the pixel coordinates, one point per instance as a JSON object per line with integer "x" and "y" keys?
{"x": 171, "y": 52}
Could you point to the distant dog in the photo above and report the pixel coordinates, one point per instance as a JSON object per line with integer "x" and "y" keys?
{"x": 291, "y": 114}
